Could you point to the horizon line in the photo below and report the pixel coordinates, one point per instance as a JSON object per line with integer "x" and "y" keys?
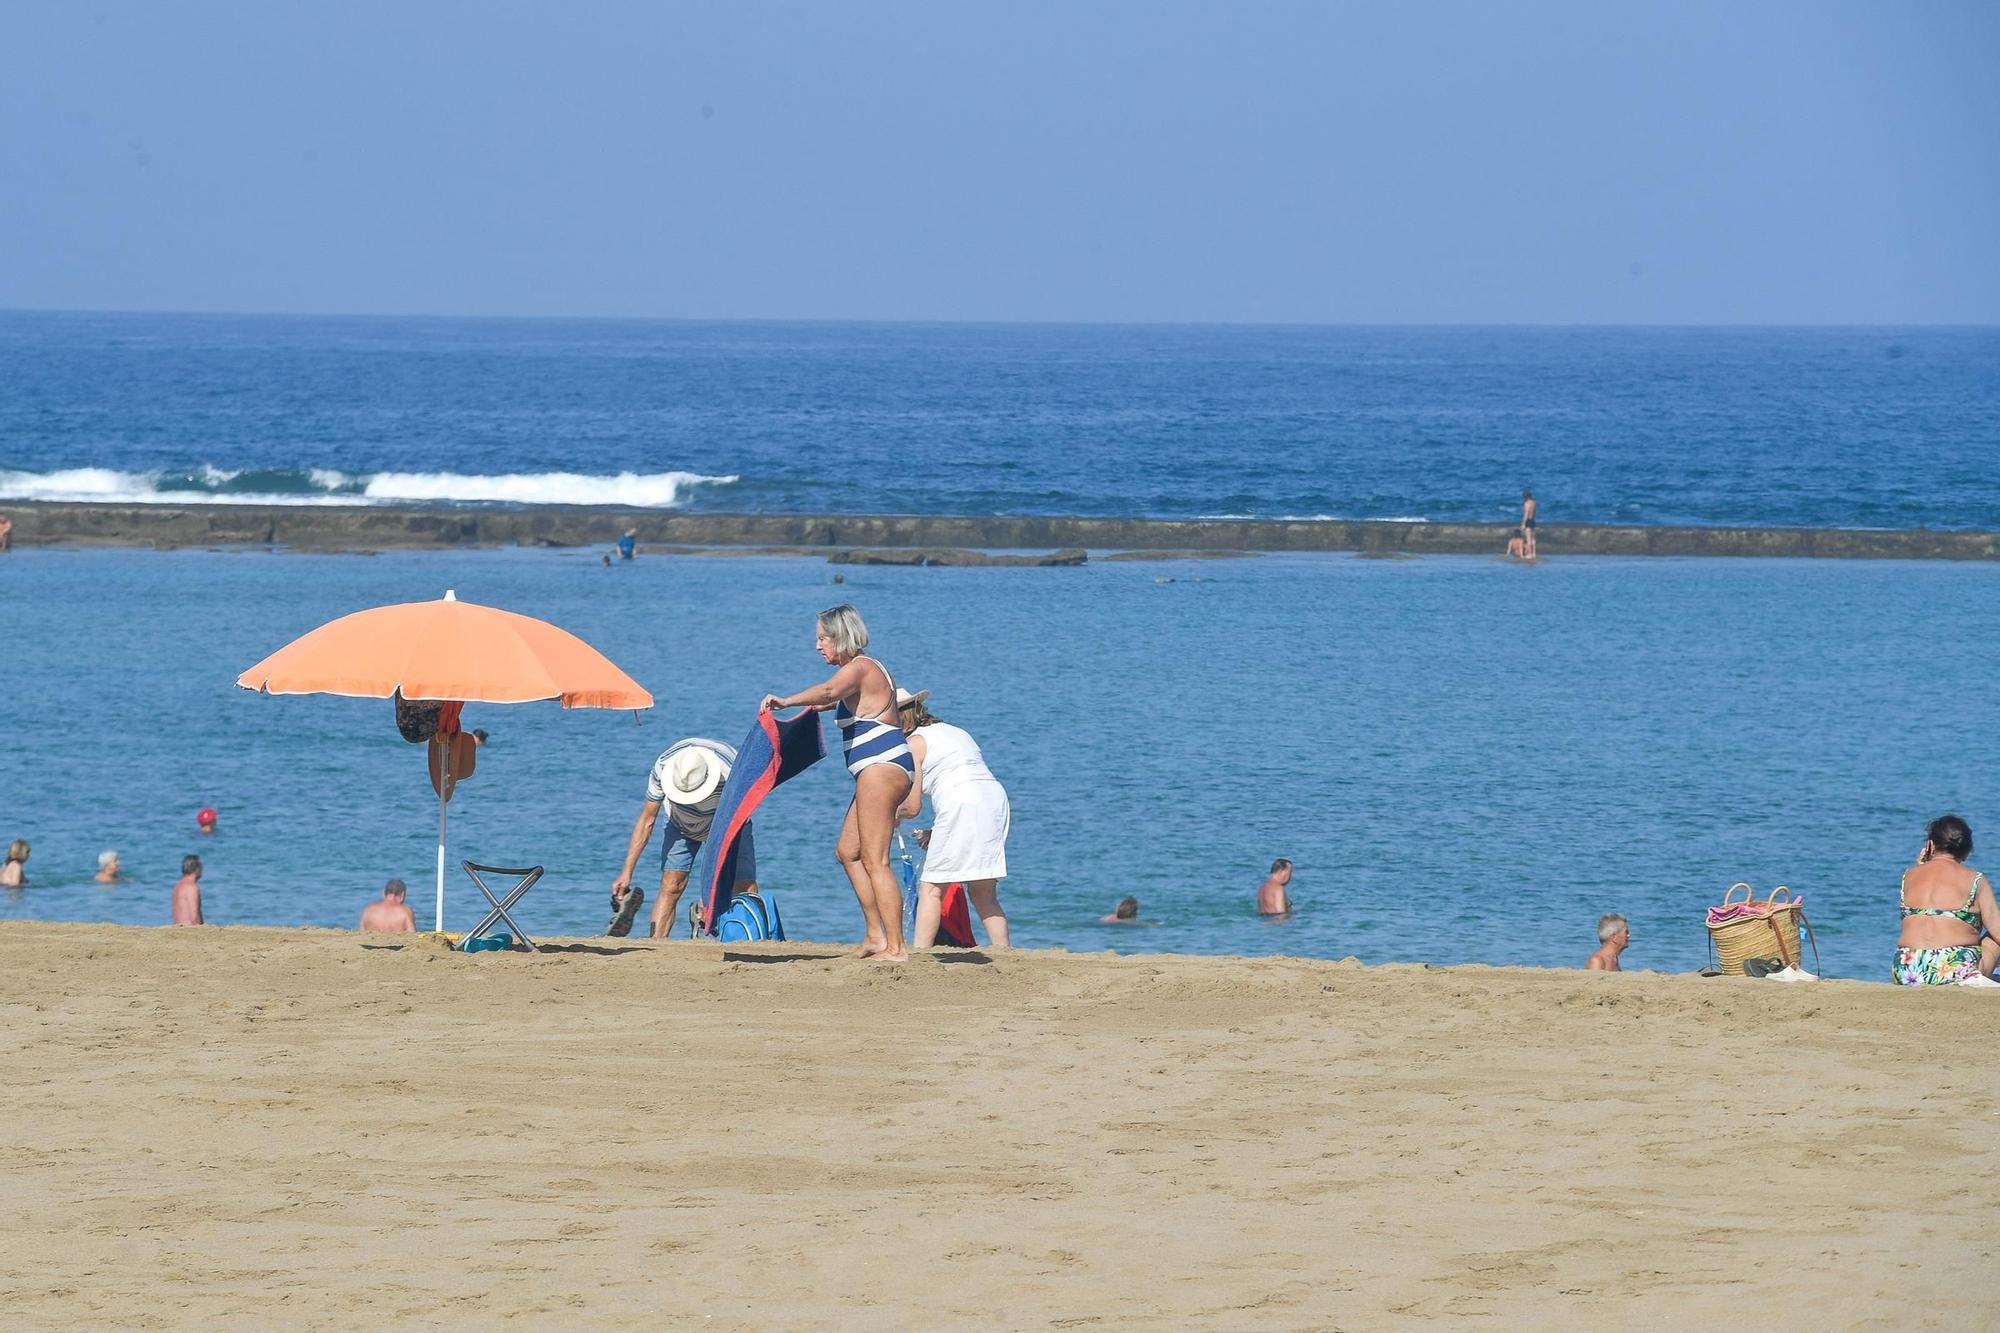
{"x": 970, "y": 322}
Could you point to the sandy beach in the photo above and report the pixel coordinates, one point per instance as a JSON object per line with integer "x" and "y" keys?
{"x": 255, "y": 1128}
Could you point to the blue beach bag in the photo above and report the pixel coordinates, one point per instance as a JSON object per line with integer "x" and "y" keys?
{"x": 750, "y": 916}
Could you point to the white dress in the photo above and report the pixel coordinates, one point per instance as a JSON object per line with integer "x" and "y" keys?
{"x": 969, "y": 814}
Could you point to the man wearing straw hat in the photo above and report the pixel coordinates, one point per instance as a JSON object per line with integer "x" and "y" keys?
{"x": 687, "y": 779}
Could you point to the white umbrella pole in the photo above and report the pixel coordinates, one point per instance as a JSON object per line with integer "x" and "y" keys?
{"x": 442, "y": 803}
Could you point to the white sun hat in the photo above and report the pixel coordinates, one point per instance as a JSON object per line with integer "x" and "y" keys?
{"x": 693, "y": 775}
{"x": 904, "y": 698}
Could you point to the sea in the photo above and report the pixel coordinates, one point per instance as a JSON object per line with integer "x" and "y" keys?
{"x": 1468, "y": 761}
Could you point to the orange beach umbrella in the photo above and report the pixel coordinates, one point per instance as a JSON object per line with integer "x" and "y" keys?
{"x": 448, "y": 651}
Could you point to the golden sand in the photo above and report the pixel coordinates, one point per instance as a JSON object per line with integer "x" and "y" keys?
{"x": 260, "y": 1128}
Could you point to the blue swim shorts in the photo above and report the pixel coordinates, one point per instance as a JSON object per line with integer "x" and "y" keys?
{"x": 680, "y": 851}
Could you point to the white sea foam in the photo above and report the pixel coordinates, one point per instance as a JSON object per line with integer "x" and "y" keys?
{"x": 327, "y": 486}
{"x": 652, "y": 490}
{"x": 77, "y": 483}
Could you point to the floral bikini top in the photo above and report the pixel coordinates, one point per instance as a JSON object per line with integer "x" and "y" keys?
{"x": 1968, "y": 914}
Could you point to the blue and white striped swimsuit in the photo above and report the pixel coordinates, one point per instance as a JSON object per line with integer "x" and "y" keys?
{"x": 870, "y": 740}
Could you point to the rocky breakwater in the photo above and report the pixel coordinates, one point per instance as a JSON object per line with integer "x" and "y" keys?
{"x": 934, "y": 556}
{"x": 368, "y": 527}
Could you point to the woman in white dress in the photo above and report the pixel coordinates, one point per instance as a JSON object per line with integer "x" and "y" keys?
{"x": 969, "y": 820}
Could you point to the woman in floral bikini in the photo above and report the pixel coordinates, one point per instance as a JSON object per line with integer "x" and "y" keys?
{"x": 1944, "y": 904}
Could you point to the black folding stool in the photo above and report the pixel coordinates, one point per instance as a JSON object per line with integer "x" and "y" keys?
{"x": 527, "y": 876}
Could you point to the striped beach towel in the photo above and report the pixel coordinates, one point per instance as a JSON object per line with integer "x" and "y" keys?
{"x": 774, "y": 752}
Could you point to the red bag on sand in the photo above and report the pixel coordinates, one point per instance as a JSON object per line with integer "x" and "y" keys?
{"x": 955, "y": 919}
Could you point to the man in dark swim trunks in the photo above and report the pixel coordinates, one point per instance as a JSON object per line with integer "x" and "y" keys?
{"x": 1528, "y": 525}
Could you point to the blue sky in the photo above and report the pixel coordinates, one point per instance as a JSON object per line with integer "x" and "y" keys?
{"x": 1324, "y": 163}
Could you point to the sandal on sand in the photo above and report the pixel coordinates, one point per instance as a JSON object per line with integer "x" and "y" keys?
{"x": 1761, "y": 967}
{"x": 628, "y": 911}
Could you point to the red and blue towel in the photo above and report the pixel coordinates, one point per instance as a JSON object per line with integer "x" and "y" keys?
{"x": 775, "y": 751}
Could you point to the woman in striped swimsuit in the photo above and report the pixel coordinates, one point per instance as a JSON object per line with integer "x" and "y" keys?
{"x": 864, "y": 699}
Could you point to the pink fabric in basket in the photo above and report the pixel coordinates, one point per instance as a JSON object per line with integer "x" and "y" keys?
{"x": 1722, "y": 916}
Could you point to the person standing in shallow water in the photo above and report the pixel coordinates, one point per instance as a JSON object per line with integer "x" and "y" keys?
{"x": 187, "y": 893}
{"x": 863, "y": 697}
{"x": 391, "y": 915}
{"x": 1274, "y": 896}
{"x": 1614, "y": 933}
{"x": 1528, "y": 508}
{"x": 14, "y": 870}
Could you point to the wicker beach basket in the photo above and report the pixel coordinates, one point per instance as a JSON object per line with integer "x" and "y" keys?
{"x": 1770, "y": 929}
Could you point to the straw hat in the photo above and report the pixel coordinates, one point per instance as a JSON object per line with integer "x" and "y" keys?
{"x": 693, "y": 775}
{"x": 904, "y": 698}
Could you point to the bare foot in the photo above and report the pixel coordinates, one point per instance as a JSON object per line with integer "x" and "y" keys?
{"x": 903, "y": 957}
{"x": 870, "y": 948}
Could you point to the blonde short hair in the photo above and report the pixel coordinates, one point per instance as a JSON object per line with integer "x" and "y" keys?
{"x": 844, "y": 626}
{"x": 17, "y": 850}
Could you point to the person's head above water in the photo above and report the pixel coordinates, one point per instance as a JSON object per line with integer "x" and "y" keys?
{"x": 204, "y": 819}
{"x": 17, "y": 850}
{"x": 191, "y": 865}
{"x": 107, "y": 860}
{"x": 395, "y": 890}
{"x": 1281, "y": 870}
{"x": 1610, "y": 926}
{"x": 1948, "y": 835}
{"x": 1128, "y": 908}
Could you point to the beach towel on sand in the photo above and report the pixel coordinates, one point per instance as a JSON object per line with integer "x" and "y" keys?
{"x": 774, "y": 752}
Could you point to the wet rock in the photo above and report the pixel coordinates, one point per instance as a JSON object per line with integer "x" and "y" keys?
{"x": 934, "y": 556}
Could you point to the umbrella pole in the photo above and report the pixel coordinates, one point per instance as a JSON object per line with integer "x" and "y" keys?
{"x": 442, "y": 802}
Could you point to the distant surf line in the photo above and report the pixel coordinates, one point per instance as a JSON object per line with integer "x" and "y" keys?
{"x": 207, "y": 484}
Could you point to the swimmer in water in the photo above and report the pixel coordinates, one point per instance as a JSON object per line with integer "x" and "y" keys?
{"x": 1273, "y": 897}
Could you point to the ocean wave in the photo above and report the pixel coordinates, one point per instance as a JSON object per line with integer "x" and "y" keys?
{"x": 651, "y": 490}
{"x": 208, "y": 484}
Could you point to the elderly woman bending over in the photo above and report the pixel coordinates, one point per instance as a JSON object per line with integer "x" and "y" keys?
{"x": 863, "y": 697}
{"x": 1945, "y": 902}
{"x": 970, "y": 817}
